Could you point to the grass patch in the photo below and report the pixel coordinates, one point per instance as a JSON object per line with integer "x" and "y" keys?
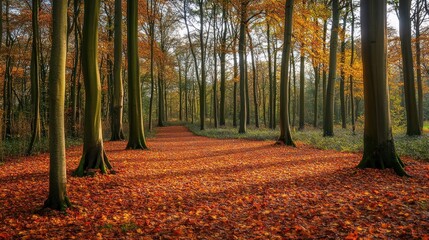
{"x": 343, "y": 140}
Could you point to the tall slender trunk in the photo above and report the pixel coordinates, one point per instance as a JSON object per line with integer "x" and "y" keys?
{"x": 324, "y": 73}
{"x": 255, "y": 81}
{"x": 57, "y": 198}
{"x": 8, "y": 78}
{"x": 419, "y": 64}
{"x": 242, "y": 59}
{"x": 35, "y": 77}
{"x": 413, "y": 126}
{"x": 352, "y": 98}
{"x": 118, "y": 88}
{"x": 180, "y": 92}
{"x": 270, "y": 79}
{"x": 328, "y": 117}
{"x": 203, "y": 68}
{"x": 223, "y": 65}
{"x": 343, "y": 73}
{"x": 152, "y": 63}
{"x": 295, "y": 94}
{"x": 285, "y": 134}
{"x": 275, "y": 85}
{"x": 316, "y": 92}
{"x": 301, "y": 90}
{"x": 215, "y": 68}
{"x": 76, "y": 68}
{"x": 234, "y": 117}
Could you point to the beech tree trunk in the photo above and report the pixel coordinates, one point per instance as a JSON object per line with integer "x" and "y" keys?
{"x": 35, "y": 77}
{"x": 285, "y": 134}
{"x": 413, "y": 126}
{"x": 118, "y": 88}
{"x": 301, "y": 90}
{"x": 135, "y": 113}
{"x": 328, "y": 117}
{"x": 94, "y": 156}
{"x": 343, "y": 74}
{"x": 379, "y": 148}
{"x": 223, "y": 64}
{"x": 242, "y": 59}
{"x": 57, "y": 198}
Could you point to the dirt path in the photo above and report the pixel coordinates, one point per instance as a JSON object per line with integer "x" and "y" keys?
{"x": 188, "y": 186}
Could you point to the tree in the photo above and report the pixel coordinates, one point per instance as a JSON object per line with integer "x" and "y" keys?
{"x": 379, "y": 148}
{"x": 413, "y": 126}
{"x": 118, "y": 88}
{"x": 328, "y": 116}
{"x": 241, "y": 57}
{"x": 223, "y": 63}
{"x": 135, "y": 115}
{"x": 57, "y": 198}
{"x": 151, "y": 15}
{"x": 285, "y": 134}
{"x": 35, "y": 77}
{"x": 94, "y": 156}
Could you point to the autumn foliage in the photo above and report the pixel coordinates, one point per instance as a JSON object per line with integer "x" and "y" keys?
{"x": 189, "y": 187}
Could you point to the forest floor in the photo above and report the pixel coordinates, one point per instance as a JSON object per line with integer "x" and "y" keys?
{"x": 189, "y": 186}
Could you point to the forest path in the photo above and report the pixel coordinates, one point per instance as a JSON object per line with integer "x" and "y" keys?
{"x": 188, "y": 186}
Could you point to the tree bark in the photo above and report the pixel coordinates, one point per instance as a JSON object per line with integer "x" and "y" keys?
{"x": 223, "y": 65}
{"x": 328, "y": 117}
{"x": 94, "y": 156}
{"x": 203, "y": 69}
{"x": 57, "y": 198}
{"x": 343, "y": 74}
{"x": 379, "y": 149}
{"x": 417, "y": 25}
{"x": 241, "y": 56}
{"x": 413, "y": 126}
{"x": 152, "y": 60}
{"x": 118, "y": 88}
{"x": 301, "y": 90}
{"x": 255, "y": 81}
{"x": 35, "y": 77}
{"x": 135, "y": 113}
{"x": 285, "y": 134}
{"x": 352, "y": 98}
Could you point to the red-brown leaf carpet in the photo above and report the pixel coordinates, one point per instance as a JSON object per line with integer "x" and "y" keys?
{"x": 191, "y": 187}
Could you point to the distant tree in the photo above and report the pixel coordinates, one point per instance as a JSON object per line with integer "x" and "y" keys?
{"x": 328, "y": 116}
{"x": 118, "y": 88}
{"x": 35, "y": 77}
{"x": 94, "y": 156}
{"x": 379, "y": 149}
{"x": 241, "y": 57}
{"x": 285, "y": 134}
{"x": 57, "y": 198}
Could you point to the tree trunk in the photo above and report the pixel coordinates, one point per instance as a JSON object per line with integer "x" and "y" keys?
{"x": 135, "y": 112}
{"x": 94, "y": 156}
{"x": 152, "y": 63}
{"x": 413, "y": 126}
{"x": 379, "y": 149}
{"x": 270, "y": 80}
{"x": 118, "y": 88}
{"x": 285, "y": 134}
{"x": 324, "y": 73}
{"x": 57, "y": 198}
{"x": 328, "y": 117}
{"x": 343, "y": 74}
{"x": 223, "y": 65}
{"x": 316, "y": 93}
{"x": 242, "y": 59}
{"x": 215, "y": 68}
{"x": 234, "y": 117}
{"x": 203, "y": 69}
{"x": 76, "y": 69}
{"x": 35, "y": 77}
{"x": 352, "y": 98}
{"x": 419, "y": 64}
{"x": 255, "y": 81}
{"x": 301, "y": 90}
